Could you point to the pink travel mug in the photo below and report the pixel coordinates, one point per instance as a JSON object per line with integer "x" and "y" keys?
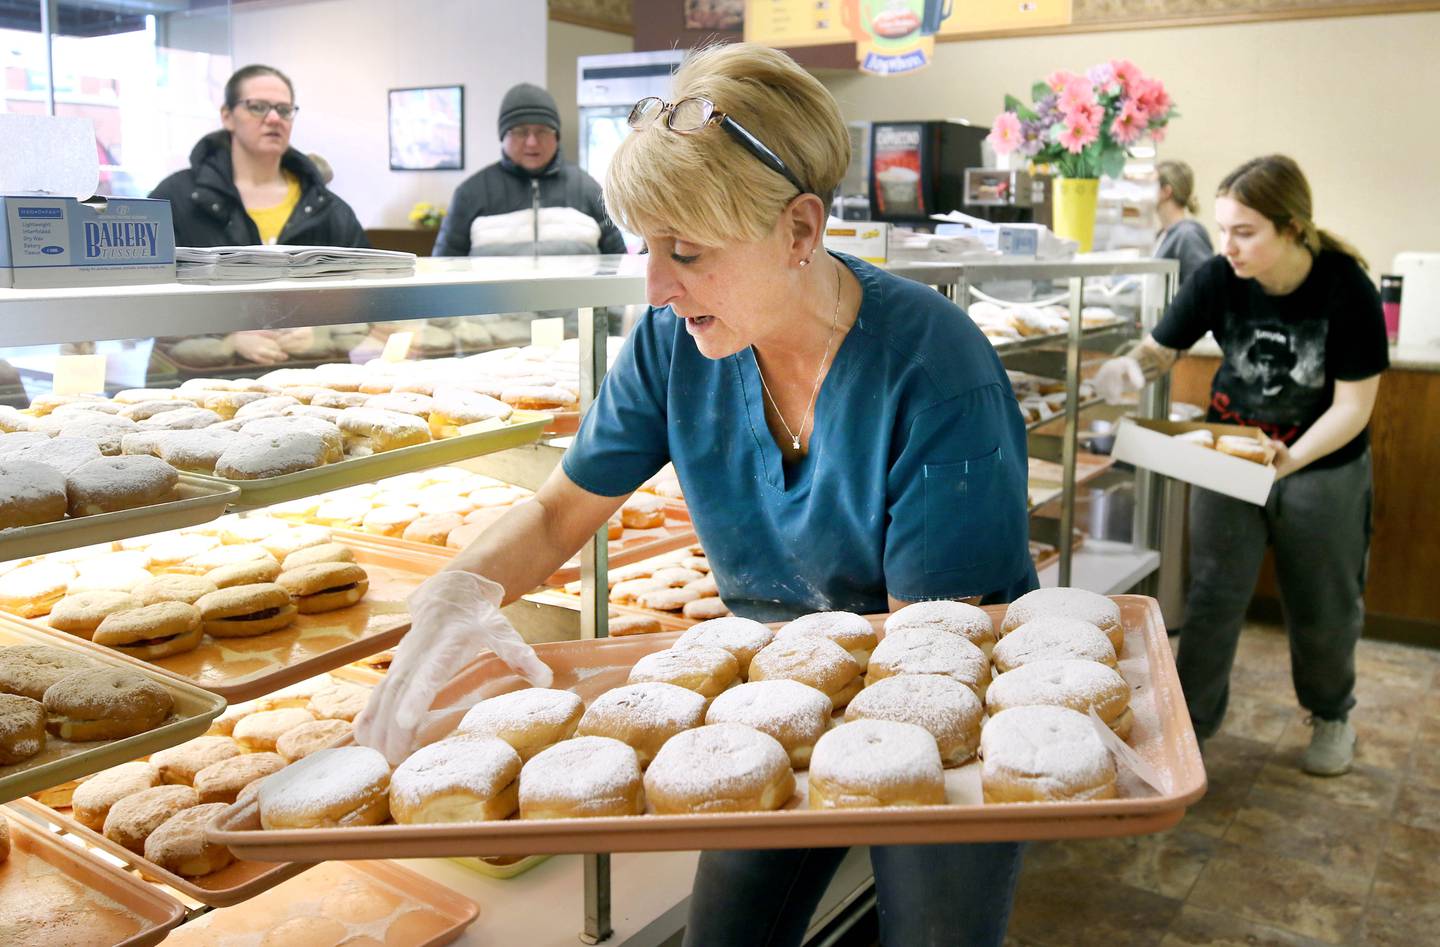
{"x": 1390, "y": 289}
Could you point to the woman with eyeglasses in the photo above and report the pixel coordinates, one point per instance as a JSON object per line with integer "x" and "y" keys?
{"x": 246, "y": 186}
{"x": 846, "y": 440}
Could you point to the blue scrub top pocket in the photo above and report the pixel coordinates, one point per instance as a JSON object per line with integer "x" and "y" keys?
{"x": 965, "y": 519}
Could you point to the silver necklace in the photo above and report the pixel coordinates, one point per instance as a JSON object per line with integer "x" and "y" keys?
{"x": 815, "y": 390}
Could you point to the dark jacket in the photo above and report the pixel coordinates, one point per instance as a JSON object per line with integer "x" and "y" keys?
{"x": 208, "y": 211}
{"x": 1188, "y": 241}
{"x": 505, "y": 188}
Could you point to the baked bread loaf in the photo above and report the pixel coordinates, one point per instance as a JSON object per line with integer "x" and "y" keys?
{"x": 258, "y": 732}
{"x": 325, "y": 586}
{"x": 721, "y": 767}
{"x": 243, "y": 611}
{"x": 818, "y": 662}
{"x": 30, "y": 493}
{"x": 956, "y": 618}
{"x": 643, "y": 716}
{"x": 179, "y": 844}
{"x": 305, "y": 739}
{"x": 927, "y": 651}
{"x": 1049, "y": 637}
{"x": 794, "y": 714}
{"x": 1078, "y": 684}
{"x": 1067, "y": 603}
{"x": 1044, "y": 753}
{"x": 30, "y": 670}
{"x": 949, "y": 710}
{"x": 105, "y": 704}
{"x": 94, "y": 796}
{"x": 119, "y": 483}
{"x": 529, "y": 720}
{"x": 848, "y": 630}
{"x": 876, "y": 763}
{"x": 22, "y": 728}
{"x": 225, "y": 780}
{"x": 132, "y": 819}
{"x": 151, "y": 631}
{"x": 462, "y": 778}
{"x": 179, "y": 764}
{"x": 340, "y": 786}
{"x": 706, "y": 671}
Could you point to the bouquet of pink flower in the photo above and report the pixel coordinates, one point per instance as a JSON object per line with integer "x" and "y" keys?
{"x": 1083, "y": 125}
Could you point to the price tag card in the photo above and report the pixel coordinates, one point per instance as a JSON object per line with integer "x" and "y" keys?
{"x": 79, "y": 374}
{"x": 547, "y": 332}
{"x": 397, "y": 347}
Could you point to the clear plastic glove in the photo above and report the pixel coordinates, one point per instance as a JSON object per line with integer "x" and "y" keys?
{"x": 454, "y": 615}
{"x": 1117, "y": 378}
{"x": 258, "y": 346}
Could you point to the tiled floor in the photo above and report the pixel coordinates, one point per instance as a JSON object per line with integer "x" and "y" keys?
{"x": 1271, "y": 856}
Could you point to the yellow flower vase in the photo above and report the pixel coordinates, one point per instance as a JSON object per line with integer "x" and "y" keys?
{"x": 1075, "y": 200}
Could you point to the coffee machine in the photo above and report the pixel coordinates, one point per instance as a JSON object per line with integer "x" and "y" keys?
{"x": 918, "y": 168}
{"x": 1008, "y": 197}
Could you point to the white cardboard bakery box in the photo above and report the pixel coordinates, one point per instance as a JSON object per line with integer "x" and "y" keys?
{"x": 1152, "y": 445}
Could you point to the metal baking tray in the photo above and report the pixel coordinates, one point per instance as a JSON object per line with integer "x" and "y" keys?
{"x": 62, "y": 760}
{"x": 198, "y": 500}
{"x": 524, "y": 427}
{"x": 1162, "y": 736}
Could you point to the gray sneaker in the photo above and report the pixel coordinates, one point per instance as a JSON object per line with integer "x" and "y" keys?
{"x": 1331, "y": 750}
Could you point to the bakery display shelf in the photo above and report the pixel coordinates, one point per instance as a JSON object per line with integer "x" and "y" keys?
{"x": 198, "y": 500}
{"x": 1050, "y": 555}
{"x": 62, "y": 760}
{"x": 524, "y": 427}
{"x": 101, "y": 903}
{"x": 239, "y": 881}
{"x": 1161, "y": 735}
{"x": 1004, "y": 347}
{"x": 243, "y": 668}
{"x": 669, "y": 621}
{"x": 1060, "y": 415}
{"x": 370, "y": 902}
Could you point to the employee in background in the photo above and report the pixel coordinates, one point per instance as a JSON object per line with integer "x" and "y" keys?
{"x": 246, "y": 186}
{"x": 1182, "y": 237}
{"x": 531, "y": 201}
{"x": 1303, "y": 337}
{"x": 803, "y": 505}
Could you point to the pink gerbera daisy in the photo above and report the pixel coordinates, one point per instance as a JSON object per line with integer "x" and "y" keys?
{"x": 1059, "y": 79}
{"x": 1077, "y": 133}
{"x": 1005, "y": 133}
{"x": 1126, "y": 72}
{"x": 1128, "y": 125}
{"x": 1077, "y": 92}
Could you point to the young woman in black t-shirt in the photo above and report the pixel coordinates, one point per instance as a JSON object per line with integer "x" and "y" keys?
{"x": 1303, "y": 338}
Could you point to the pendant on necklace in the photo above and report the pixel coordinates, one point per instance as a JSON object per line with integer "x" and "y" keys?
{"x": 795, "y": 441}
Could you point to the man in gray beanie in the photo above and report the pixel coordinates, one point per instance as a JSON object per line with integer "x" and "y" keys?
{"x": 531, "y": 201}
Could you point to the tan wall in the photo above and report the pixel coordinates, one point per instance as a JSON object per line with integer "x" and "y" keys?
{"x": 565, "y": 43}
{"x": 1350, "y": 98}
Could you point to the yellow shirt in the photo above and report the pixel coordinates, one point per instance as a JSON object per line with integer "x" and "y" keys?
{"x": 271, "y": 220}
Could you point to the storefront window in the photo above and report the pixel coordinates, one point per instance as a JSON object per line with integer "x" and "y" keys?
{"x": 150, "y": 82}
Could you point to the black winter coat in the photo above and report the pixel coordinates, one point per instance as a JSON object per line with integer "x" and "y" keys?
{"x": 208, "y": 211}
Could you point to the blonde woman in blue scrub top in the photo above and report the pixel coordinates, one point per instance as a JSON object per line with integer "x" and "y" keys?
{"x": 846, "y": 439}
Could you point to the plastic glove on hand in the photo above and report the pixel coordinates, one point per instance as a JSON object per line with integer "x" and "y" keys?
{"x": 454, "y": 615}
{"x": 1117, "y": 378}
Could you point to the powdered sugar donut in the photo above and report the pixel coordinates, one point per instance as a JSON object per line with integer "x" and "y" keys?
{"x": 102, "y": 430}
{"x": 1067, "y": 603}
{"x": 876, "y": 763}
{"x": 119, "y": 483}
{"x": 949, "y": 710}
{"x": 706, "y": 671}
{"x": 957, "y": 618}
{"x": 1080, "y": 685}
{"x": 582, "y": 778}
{"x": 341, "y": 786}
{"x": 387, "y": 430}
{"x": 254, "y": 458}
{"x": 742, "y": 637}
{"x": 452, "y": 408}
{"x": 1051, "y": 636}
{"x": 818, "y": 662}
{"x": 926, "y": 651}
{"x": 848, "y": 630}
{"x": 721, "y": 767}
{"x": 1042, "y": 754}
{"x": 794, "y": 714}
{"x": 529, "y": 720}
{"x": 643, "y": 716}
{"x": 286, "y": 424}
{"x": 196, "y": 451}
{"x": 65, "y": 454}
{"x": 463, "y": 778}
{"x": 539, "y": 397}
{"x": 30, "y": 493}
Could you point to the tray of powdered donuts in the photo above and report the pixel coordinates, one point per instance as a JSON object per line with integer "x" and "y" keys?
{"x": 734, "y": 734}
{"x": 240, "y": 606}
{"x": 152, "y": 813}
{"x": 67, "y": 710}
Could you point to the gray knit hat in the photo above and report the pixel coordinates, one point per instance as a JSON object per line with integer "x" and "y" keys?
{"x": 528, "y": 104}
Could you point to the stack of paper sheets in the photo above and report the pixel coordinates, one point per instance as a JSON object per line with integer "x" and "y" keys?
{"x": 250, "y": 264}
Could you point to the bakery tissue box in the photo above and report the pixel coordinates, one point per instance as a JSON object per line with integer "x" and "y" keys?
{"x": 1152, "y": 445}
{"x": 53, "y": 233}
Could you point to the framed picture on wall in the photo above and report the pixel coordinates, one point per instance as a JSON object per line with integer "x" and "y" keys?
{"x": 427, "y": 128}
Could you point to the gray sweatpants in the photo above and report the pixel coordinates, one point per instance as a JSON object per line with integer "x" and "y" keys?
{"x": 1319, "y": 524}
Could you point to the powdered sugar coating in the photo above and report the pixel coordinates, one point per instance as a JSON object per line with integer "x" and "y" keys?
{"x": 846, "y": 629}
{"x": 339, "y": 777}
{"x": 274, "y": 455}
{"x": 793, "y": 713}
{"x": 877, "y": 758}
{"x": 956, "y": 618}
{"x": 30, "y": 493}
{"x": 1052, "y": 751}
{"x": 1068, "y": 603}
{"x": 461, "y": 406}
{"x": 716, "y": 766}
{"x": 540, "y": 706}
{"x": 650, "y": 707}
{"x": 181, "y": 419}
{"x": 462, "y": 763}
{"x": 1072, "y": 683}
{"x": 586, "y": 776}
{"x": 815, "y": 661}
{"x": 947, "y": 709}
{"x": 927, "y": 651}
{"x": 65, "y": 454}
{"x": 1053, "y": 636}
{"x": 699, "y": 669}
{"x": 119, "y": 483}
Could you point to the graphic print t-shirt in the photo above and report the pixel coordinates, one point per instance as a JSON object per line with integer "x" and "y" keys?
{"x": 1283, "y": 354}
